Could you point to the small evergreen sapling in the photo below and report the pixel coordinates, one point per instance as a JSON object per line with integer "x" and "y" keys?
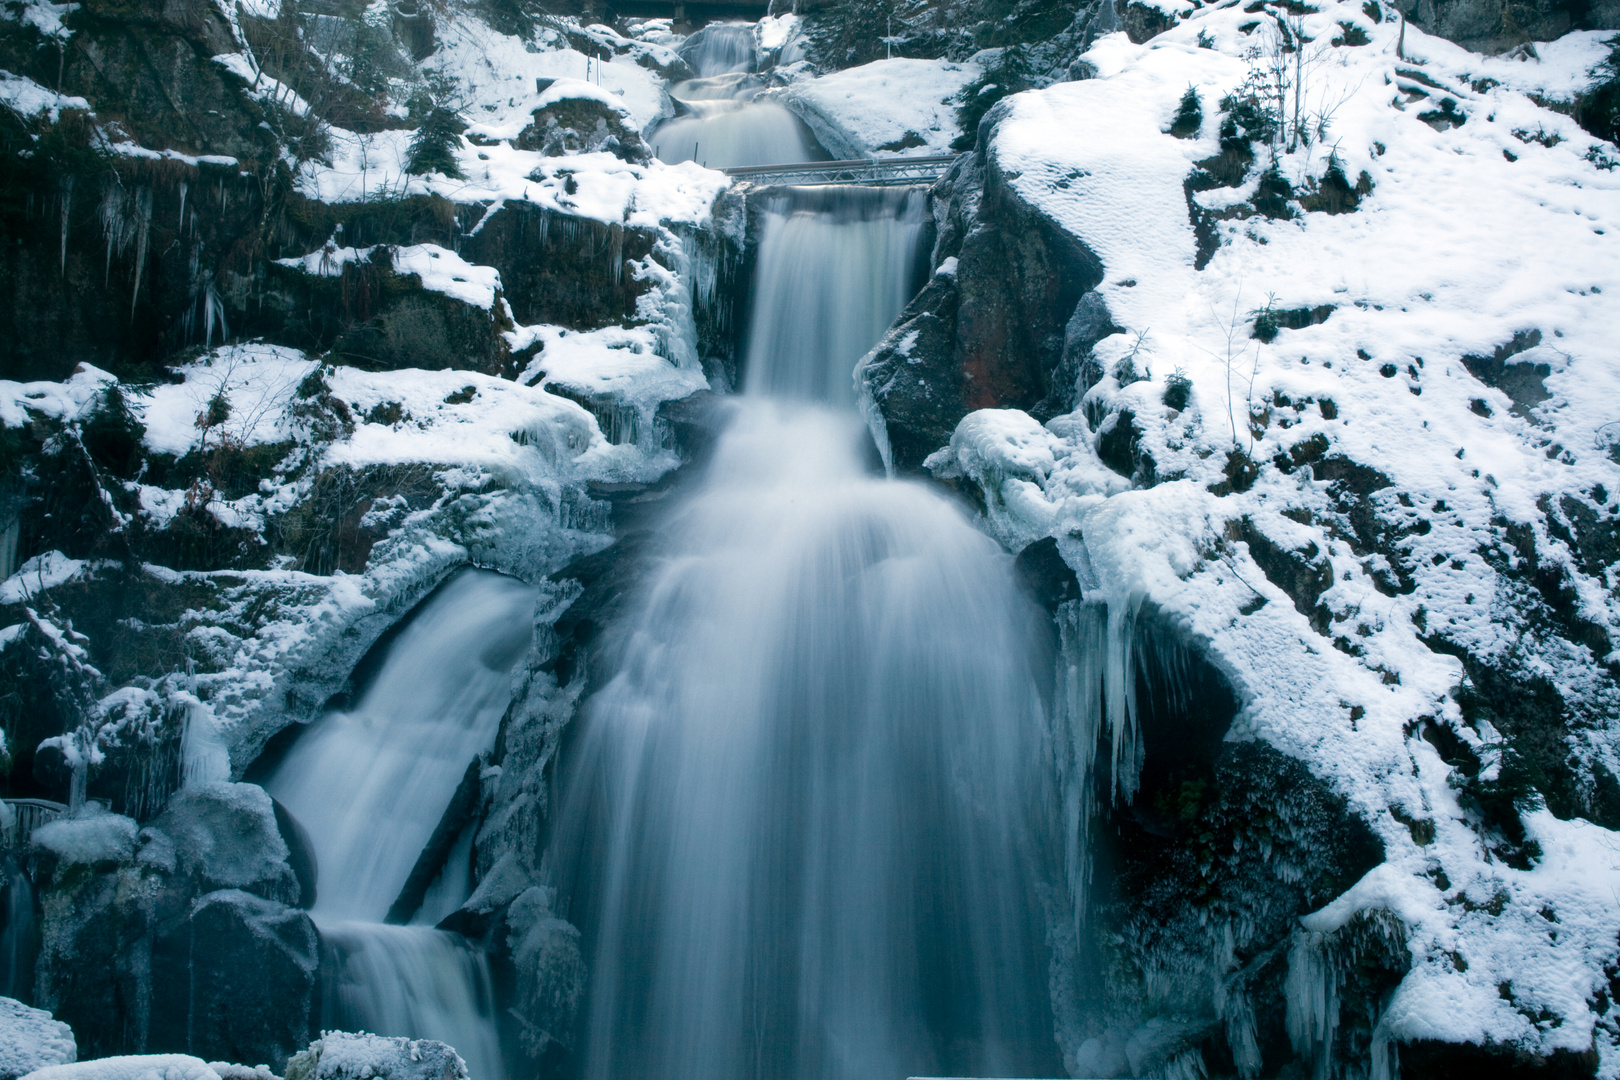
{"x": 1177, "y": 390}
{"x": 433, "y": 148}
{"x": 1189, "y": 116}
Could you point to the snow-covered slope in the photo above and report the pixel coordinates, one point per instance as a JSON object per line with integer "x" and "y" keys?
{"x": 1366, "y": 445}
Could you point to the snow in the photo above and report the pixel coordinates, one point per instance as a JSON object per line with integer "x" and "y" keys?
{"x": 1457, "y": 249}
{"x": 42, "y": 572}
{"x": 261, "y": 86}
{"x": 30, "y": 1039}
{"x": 775, "y": 30}
{"x": 621, "y": 362}
{"x": 859, "y": 111}
{"x": 604, "y": 187}
{"x": 42, "y": 16}
{"x": 440, "y": 269}
{"x": 497, "y": 72}
{"x": 132, "y": 1067}
{"x": 340, "y": 1055}
{"x": 259, "y": 381}
{"x": 62, "y": 401}
{"x": 577, "y": 89}
{"x": 26, "y": 97}
{"x": 94, "y": 836}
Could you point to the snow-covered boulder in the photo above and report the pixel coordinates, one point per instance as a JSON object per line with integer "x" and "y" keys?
{"x": 171, "y": 917}
{"x": 31, "y": 1040}
{"x": 342, "y": 1055}
{"x": 223, "y": 836}
{"x": 131, "y": 1067}
{"x": 577, "y": 117}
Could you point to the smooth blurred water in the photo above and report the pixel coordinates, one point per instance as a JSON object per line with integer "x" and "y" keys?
{"x": 835, "y": 266}
{"x": 720, "y": 48}
{"x": 803, "y": 829}
{"x": 370, "y": 785}
{"x": 722, "y": 126}
{"x": 16, "y": 931}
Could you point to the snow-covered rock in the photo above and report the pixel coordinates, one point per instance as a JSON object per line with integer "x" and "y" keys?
{"x": 341, "y": 1055}
{"x": 30, "y": 1040}
{"x": 131, "y": 1067}
{"x": 888, "y": 108}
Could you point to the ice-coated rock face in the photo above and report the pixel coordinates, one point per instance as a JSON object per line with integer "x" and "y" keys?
{"x": 30, "y": 1040}
{"x": 181, "y": 938}
{"x": 341, "y": 1055}
{"x": 223, "y": 836}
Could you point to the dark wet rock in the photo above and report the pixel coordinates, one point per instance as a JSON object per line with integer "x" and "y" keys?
{"x": 235, "y": 980}
{"x": 378, "y": 318}
{"x": 914, "y": 377}
{"x": 1077, "y": 370}
{"x": 152, "y": 943}
{"x": 1488, "y": 27}
{"x": 1425, "y": 1059}
{"x": 431, "y": 863}
{"x": 1049, "y": 579}
{"x": 991, "y": 329}
{"x": 1142, "y": 22}
{"x": 1522, "y": 381}
{"x": 1303, "y": 572}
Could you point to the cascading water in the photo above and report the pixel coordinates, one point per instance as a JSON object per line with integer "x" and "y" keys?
{"x": 371, "y": 784}
{"x": 803, "y": 828}
{"x": 16, "y": 931}
{"x": 835, "y": 266}
{"x": 722, "y": 126}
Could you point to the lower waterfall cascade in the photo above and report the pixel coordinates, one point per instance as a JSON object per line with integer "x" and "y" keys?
{"x": 370, "y": 784}
{"x": 802, "y": 828}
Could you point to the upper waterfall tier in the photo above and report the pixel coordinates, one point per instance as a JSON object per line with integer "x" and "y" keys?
{"x": 722, "y": 126}
{"x": 835, "y": 266}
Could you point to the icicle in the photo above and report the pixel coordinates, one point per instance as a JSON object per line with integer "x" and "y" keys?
{"x": 213, "y": 312}
{"x": 203, "y": 755}
{"x": 1119, "y": 691}
{"x": 1312, "y": 993}
{"x": 181, "y": 225}
{"x": 143, "y": 223}
{"x": 67, "y": 204}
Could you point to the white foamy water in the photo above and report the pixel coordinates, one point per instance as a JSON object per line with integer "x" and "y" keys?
{"x": 370, "y": 785}
{"x": 802, "y": 828}
{"x": 835, "y": 267}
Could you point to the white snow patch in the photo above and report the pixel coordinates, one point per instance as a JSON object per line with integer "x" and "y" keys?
{"x": 132, "y": 1067}
{"x": 42, "y": 572}
{"x": 26, "y": 97}
{"x": 94, "y": 836}
{"x": 859, "y": 111}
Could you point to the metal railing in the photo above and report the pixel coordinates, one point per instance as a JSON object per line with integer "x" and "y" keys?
{"x": 876, "y": 172}
{"x": 29, "y": 814}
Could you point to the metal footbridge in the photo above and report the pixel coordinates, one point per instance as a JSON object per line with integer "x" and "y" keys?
{"x": 867, "y": 171}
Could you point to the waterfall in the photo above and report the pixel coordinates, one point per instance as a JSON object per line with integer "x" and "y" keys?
{"x": 722, "y": 48}
{"x": 803, "y": 828}
{"x": 16, "y": 931}
{"x": 835, "y": 266}
{"x": 723, "y": 126}
{"x": 371, "y": 783}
